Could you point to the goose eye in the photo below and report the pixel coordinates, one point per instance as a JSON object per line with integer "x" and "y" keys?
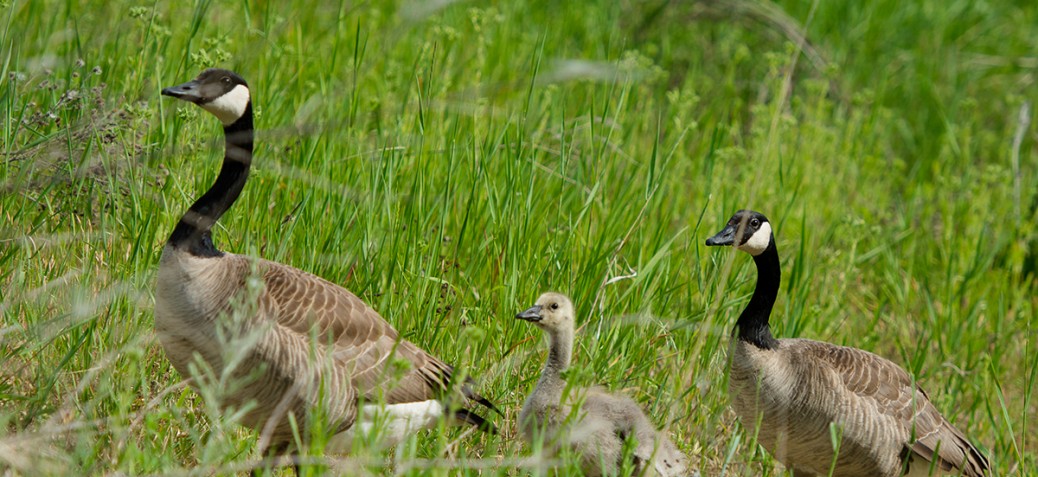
{"x": 755, "y": 223}
{"x": 554, "y": 306}
{"x": 227, "y": 79}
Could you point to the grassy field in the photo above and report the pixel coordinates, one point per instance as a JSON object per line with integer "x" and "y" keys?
{"x": 448, "y": 161}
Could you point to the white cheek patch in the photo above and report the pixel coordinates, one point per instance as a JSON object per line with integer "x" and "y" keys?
{"x": 229, "y": 107}
{"x": 758, "y": 242}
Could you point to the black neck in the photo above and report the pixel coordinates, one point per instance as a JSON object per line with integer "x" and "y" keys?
{"x": 752, "y": 326}
{"x": 193, "y": 232}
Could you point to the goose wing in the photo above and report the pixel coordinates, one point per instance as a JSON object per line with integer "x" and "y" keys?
{"x": 382, "y": 365}
{"x": 893, "y": 392}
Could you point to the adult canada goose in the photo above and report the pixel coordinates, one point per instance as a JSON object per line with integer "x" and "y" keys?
{"x": 597, "y": 430}
{"x": 305, "y": 343}
{"x": 795, "y": 389}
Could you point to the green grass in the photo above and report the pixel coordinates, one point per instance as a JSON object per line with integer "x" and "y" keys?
{"x": 449, "y": 162}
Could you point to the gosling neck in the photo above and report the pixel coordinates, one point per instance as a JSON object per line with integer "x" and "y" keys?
{"x": 560, "y": 353}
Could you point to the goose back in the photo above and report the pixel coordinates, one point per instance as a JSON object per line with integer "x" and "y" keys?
{"x": 301, "y": 336}
{"x": 202, "y": 309}
{"x": 801, "y": 386}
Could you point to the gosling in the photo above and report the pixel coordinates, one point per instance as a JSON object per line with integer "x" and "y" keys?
{"x": 592, "y": 422}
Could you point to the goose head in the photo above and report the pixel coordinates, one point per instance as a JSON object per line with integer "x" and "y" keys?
{"x": 552, "y": 311}
{"x": 747, "y": 230}
{"x": 221, "y": 92}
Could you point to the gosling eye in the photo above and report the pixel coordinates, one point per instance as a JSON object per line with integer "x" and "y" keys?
{"x": 554, "y": 306}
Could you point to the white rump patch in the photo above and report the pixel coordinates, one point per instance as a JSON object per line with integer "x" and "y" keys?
{"x": 229, "y": 107}
{"x": 758, "y": 242}
{"x": 388, "y": 424}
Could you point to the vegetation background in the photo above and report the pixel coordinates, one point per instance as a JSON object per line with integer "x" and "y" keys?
{"x": 448, "y": 161}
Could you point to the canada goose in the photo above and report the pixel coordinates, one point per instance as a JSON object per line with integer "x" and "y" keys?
{"x": 598, "y": 429}
{"x": 795, "y": 389}
{"x": 314, "y": 344}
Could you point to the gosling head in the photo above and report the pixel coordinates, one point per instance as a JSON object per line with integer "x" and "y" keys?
{"x": 747, "y": 230}
{"x": 221, "y": 92}
{"x": 553, "y": 311}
